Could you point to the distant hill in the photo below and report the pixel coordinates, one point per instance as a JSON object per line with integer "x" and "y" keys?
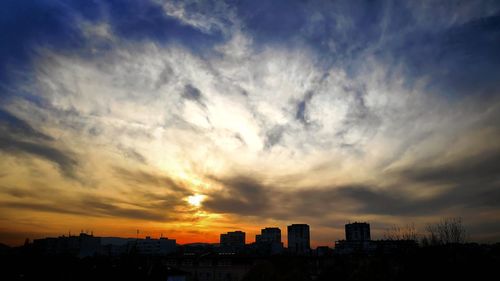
{"x": 4, "y": 248}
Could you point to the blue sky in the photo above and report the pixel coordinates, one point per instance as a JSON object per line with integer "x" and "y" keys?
{"x": 380, "y": 110}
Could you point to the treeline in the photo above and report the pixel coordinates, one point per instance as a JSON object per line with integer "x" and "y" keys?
{"x": 446, "y": 231}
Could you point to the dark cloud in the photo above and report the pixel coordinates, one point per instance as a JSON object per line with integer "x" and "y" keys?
{"x": 480, "y": 169}
{"x": 17, "y": 192}
{"x": 131, "y": 153}
{"x": 101, "y": 206}
{"x": 12, "y": 125}
{"x": 250, "y": 197}
{"x": 65, "y": 161}
{"x": 474, "y": 180}
{"x": 387, "y": 202}
{"x": 356, "y": 200}
{"x": 146, "y": 205}
{"x": 274, "y": 136}
{"x": 44, "y": 207}
{"x": 94, "y": 206}
{"x": 164, "y": 77}
{"x": 243, "y": 195}
{"x": 149, "y": 179}
{"x": 194, "y": 94}
{"x": 302, "y": 107}
{"x": 20, "y": 138}
{"x": 89, "y": 207}
{"x": 163, "y": 201}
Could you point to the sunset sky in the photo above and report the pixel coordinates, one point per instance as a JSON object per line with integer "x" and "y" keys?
{"x": 193, "y": 118}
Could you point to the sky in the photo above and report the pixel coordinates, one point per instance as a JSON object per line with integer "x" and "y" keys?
{"x": 188, "y": 119}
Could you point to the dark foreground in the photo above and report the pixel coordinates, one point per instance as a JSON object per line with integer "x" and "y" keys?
{"x": 452, "y": 262}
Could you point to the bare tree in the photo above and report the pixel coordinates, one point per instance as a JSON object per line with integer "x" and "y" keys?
{"x": 397, "y": 232}
{"x": 447, "y": 231}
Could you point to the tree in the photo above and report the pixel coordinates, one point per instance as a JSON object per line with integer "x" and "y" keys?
{"x": 447, "y": 231}
{"x": 397, "y": 232}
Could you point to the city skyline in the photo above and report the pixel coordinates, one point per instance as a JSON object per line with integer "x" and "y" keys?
{"x": 195, "y": 118}
{"x": 267, "y": 234}
{"x": 353, "y": 231}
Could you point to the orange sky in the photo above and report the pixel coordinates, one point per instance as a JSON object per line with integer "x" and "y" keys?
{"x": 222, "y": 127}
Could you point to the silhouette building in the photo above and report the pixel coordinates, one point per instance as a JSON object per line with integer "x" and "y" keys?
{"x": 358, "y": 231}
{"x": 233, "y": 240}
{"x": 269, "y": 234}
{"x": 269, "y": 240}
{"x": 160, "y": 246}
{"x": 298, "y": 239}
{"x": 83, "y": 245}
{"x": 357, "y": 239}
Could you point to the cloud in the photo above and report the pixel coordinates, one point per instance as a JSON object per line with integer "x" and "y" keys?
{"x": 193, "y": 94}
{"x": 480, "y": 169}
{"x": 274, "y": 136}
{"x": 65, "y": 27}
{"x": 42, "y": 207}
{"x": 91, "y": 208}
{"x": 20, "y": 128}
{"x": 150, "y": 179}
{"x": 473, "y": 181}
{"x": 133, "y": 154}
{"x": 155, "y": 207}
{"x": 21, "y": 139}
{"x": 66, "y": 162}
{"x": 301, "y": 108}
{"x": 249, "y": 197}
{"x": 315, "y": 110}
{"x": 243, "y": 196}
{"x": 207, "y": 16}
{"x": 101, "y": 206}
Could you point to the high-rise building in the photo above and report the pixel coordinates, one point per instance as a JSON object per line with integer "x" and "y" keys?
{"x": 269, "y": 241}
{"x": 298, "y": 239}
{"x": 269, "y": 234}
{"x": 233, "y": 239}
{"x": 358, "y": 231}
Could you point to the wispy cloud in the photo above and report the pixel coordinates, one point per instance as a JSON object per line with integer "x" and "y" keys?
{"x": 315, "y": 110}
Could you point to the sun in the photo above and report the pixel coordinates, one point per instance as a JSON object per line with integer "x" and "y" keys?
{"x": 195, "y": 200}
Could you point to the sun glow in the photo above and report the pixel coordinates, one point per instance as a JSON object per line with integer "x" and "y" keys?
{"x": 195, "y": 200}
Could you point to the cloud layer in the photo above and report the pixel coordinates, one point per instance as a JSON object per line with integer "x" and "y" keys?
{"x": 310, "y": 111}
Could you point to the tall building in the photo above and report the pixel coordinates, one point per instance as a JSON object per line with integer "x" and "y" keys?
{"x": 233, "y": 239}
{"x": 358, "y": 231}
{"x": 298, "y": 239}
{"x": 269, "y": 241}
{"x": 269, "y": 234}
